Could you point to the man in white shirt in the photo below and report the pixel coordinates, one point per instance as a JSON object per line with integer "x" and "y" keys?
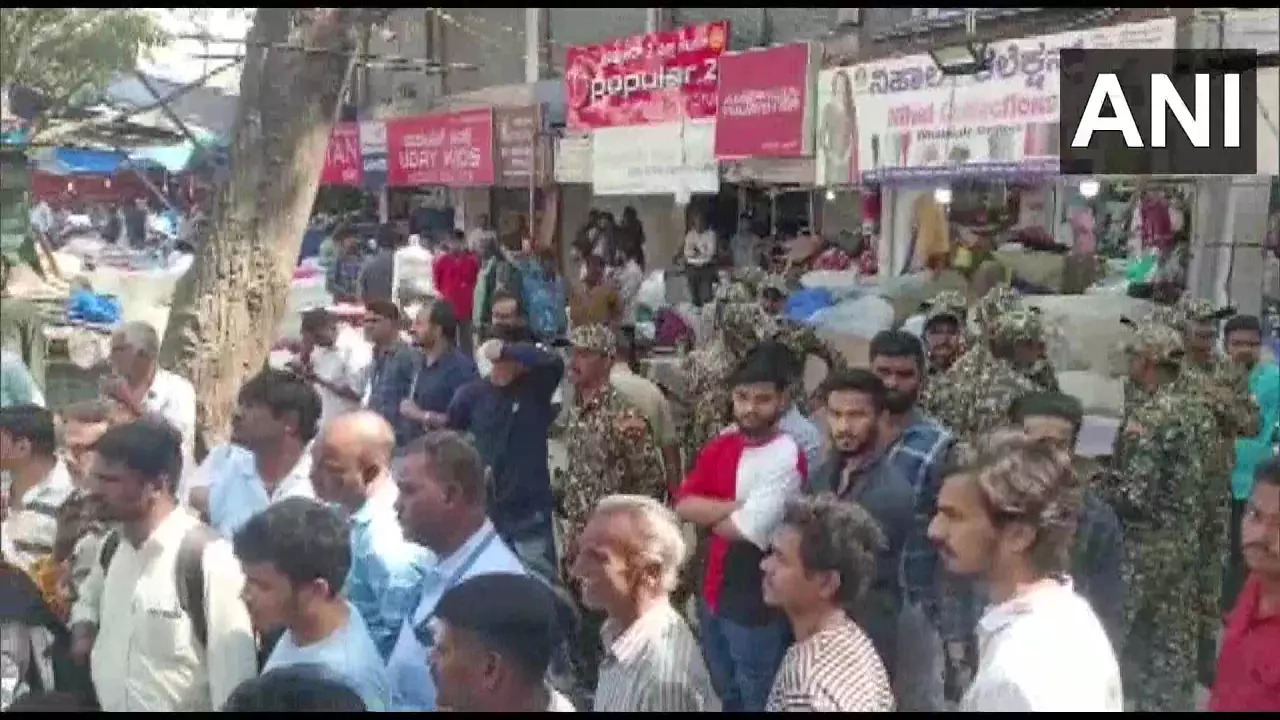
{"x": 629, "y": 558}
{"x": 276, "y": 418}
{"x": 295, "y": 555}
{"x": 139, "y": 384}
{"x": 1041, "y": 647}
{"x": 442, "y": 507}
{"x": 178, "y": 638}
{"x": 699, "y": 260}
{"x": 335, "y": 358}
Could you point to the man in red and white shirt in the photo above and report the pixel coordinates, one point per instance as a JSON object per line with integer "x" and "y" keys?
{"x": 1248, "y": 678}
{"x": 737, "y": 490}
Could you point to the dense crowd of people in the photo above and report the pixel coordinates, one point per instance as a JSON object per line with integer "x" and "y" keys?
{"x": 384, "y": 529}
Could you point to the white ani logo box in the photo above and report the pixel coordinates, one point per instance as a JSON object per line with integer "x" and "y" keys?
{"x": 1194, "y": 117}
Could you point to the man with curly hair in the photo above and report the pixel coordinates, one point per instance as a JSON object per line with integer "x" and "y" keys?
{"x": 1008, "y": 516}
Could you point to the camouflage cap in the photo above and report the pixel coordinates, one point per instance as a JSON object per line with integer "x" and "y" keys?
{"x": 1199, "y": 310}
{"x": 1020, "y": 324}
{"x": 947, "y": 303}
{"x": 745, "y": 323}
{"x": 1000, "y": 299}
{"x": 1155, "y": 341}
{"x": 774, "y": 282}
{"x": 596, "y": 338}
{"x": 742, "y": 285}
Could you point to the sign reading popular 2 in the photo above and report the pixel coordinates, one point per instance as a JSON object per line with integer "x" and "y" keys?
{"x": 644, "y": 79}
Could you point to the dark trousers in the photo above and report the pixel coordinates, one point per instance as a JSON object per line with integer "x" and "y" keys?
{"x": 466, "y": 337}
{"x": 702, "y": 282}
{"x": 741, "y": 659}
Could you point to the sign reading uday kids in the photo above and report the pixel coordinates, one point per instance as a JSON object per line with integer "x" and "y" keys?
{"x": 902, "y": 118}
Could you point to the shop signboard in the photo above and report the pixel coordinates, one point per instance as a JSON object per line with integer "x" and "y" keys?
{"x": 765, "y": 103}
{"x": 445, "y": 149}
{"x": 342, "y": 160}
{"x": 573, "y": 159}
{"x": 902, "y": 119}
{"x": 519, "y": 142}
{"x": 373, "y": 153}
{"x": 665, "y": 159}
{"x": 645, "y": 79}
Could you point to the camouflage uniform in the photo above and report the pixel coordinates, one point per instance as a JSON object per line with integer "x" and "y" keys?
{"x": 1156, "y": 488}
{"x": 610, "y": 446}
{"x": 946, "y": 304}
{"x": 1224, "y": 389}
{"x": 974, "y": 397}
{"x": 611, "y": 450}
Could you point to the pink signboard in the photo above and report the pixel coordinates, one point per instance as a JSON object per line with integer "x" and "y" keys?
{"x": 764, "y": 103}
{"x": 643, "y": 79}
{"x": 452, "y": 150}
{"x": 342, "y": 161}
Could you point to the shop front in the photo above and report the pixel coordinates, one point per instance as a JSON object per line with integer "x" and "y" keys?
{"x": 764, "y": 143}
{"x": 648, "y": 103}
{"x": 964, "y": 165}
{"x": 430, "y": 158}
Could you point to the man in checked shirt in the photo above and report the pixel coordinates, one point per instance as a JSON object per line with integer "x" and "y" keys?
{"x": 919, "y": 447}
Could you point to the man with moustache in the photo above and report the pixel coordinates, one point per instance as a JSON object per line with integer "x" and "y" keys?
{"x": 919, "y": 447}
{"x": 1247, "y": 680}
{"x": 859, "y": 471}
{"x": 736, "y": 490}
{"x": 442, "y": 370}
{"x": 165, "y": 648}
{"x": 1008, "y": 517}
{"x": 944, "y": 330}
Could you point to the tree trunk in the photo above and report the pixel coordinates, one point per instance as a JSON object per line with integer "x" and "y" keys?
{"x": 227, "y": 307}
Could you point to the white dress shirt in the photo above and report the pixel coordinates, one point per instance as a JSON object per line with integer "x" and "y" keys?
{"x": 1044, "y": 651}
{"x": 347, "y": 365}
{"x": 146, "y": 657}
{"x": 173, "y": 397}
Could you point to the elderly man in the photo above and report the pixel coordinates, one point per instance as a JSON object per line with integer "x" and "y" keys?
{"x": 629, "y": 557}
{"x": 139, "y": 384}
{"x": 351, "y": 468}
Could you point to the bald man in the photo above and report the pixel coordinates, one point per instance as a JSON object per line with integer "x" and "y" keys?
{"x": 351, "y": 469}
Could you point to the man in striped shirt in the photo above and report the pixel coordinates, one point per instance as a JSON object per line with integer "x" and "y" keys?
{"x": 37, "y": 486}
{"x": 629, "y": 558}
{"x": 822, "y": 559}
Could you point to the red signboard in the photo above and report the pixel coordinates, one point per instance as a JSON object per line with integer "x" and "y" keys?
{"x": 643, "y": 79}
{"x": 342, "y": 162}
{"x": 764, "y": 103}
{"x": 453, "y": 150}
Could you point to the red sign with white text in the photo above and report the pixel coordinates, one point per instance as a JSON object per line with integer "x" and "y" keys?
{"x": 644, "y": 79}
{"x": 764, "y": 103}
{"x": 343, "y": 164}
{"x": 453, "y": 150}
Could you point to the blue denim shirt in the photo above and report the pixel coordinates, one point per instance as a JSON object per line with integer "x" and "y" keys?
{"x": 390, "y": 381}
{"x": 386, "y": 569}
{"x": 434, "y": 385}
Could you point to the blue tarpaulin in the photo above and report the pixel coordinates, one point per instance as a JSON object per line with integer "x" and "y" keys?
{"x": 74, "y": 161}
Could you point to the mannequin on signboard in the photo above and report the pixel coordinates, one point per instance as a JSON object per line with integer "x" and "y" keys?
{"x": 839, "y": 134}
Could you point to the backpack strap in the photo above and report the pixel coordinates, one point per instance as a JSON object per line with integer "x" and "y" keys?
{"x": 110, "y": 543}
{"x": 190, "y": 578}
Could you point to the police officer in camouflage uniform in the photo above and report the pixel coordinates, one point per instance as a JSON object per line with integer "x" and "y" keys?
{"x": 1224, "y": 388}
{"x": 944, "y": 326}
{"x": 1156, "y": 489}
{"x": 976, "y": 395}
{"x": 611, "y": 450}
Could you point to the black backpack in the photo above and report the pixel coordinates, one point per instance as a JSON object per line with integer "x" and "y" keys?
{"x": 189, "y": 574}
